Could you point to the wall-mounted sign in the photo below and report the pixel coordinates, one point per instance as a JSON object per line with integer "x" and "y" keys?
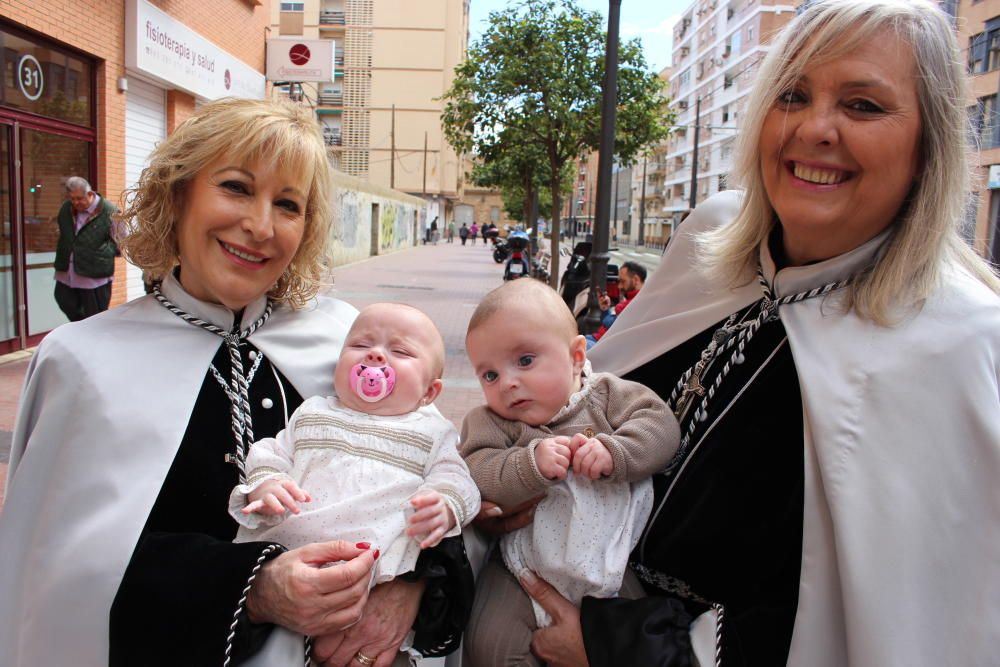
{"x": 994, "y": 182}
{"x": 29, "y": 77}
{"x": 160, "y": 46}
{"x": 290, "y": 59}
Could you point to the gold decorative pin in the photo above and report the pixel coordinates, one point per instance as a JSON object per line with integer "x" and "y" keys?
{"x": 589, "y": 432}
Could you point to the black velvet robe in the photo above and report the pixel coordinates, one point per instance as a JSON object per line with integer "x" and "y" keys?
{"x": 181, "y": 588}
{"x": 731, "y": 528}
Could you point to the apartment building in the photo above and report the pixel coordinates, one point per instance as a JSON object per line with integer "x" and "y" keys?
{"x": 978, "y": 26}
{"x": 718, "y": 46}
{"x": 381, "y": 115}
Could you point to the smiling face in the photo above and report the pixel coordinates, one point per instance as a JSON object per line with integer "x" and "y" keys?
{"x": 840, "y": 150}
{"x": 526, "y": 364}
{"x": 241, "y": 226}
{"x": 391, "y": 336}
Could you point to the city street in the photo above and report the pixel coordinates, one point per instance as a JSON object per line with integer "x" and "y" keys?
{"x": 446, "y": 281}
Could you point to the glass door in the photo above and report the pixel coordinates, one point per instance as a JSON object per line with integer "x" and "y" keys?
{"x": 8, "y": 267}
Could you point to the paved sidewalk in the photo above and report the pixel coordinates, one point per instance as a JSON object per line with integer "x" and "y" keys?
{"x": 446, "y": 281}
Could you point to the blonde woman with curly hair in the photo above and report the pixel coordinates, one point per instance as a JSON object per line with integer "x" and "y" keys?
{"x": 831, "y": 347}
{"x": 134, "y": 426}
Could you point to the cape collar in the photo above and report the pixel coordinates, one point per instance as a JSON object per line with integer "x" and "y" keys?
{"x": 795, "y": 279}
{"x": 212, "y": 313}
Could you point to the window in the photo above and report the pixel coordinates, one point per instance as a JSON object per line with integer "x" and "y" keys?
{"x": 684, "y": 78}
{"x": 722, "y": 181}
{"x": 725, "y": 114}
{"x": 736, "y": 41}
{"x": 984, "y": 48}
{"x": 984, "y": 122}
{"x": 993, "y": 57}
{"x": 750, "y": 35}
{"x": 293, "y": 6}
{"x": 976, "y": 55}
{"x": 728, "y": 81}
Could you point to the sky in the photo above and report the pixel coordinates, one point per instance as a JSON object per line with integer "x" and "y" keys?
{"x": 652, "y": 21}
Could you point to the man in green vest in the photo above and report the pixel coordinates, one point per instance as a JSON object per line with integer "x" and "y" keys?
{"x": 85, "y": 253}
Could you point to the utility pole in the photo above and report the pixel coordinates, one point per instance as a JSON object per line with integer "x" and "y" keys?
{"x": 425, "y": 165}
{"x": 693, "y": 199}
{"x": 392, "y": 149}
{"x": 599, "y": 252}
{"x": 642, "y": 205}
{"x": 614, "y": 222}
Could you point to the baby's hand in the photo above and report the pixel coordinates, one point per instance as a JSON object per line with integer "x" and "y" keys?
{"x": 552, "y": 456}
{"x": 274, "y": 496}
{"x": 432, "y": 519}
{"x": 590, "y": 457}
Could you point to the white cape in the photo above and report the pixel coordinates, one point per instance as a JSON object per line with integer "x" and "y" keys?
{"x": 105, "y": 405}
{"x": 901, "y": 526}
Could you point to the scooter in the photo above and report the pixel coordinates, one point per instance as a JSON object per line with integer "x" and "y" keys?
{"x": 517, "y": 265}
{"x": 575, "y": 283}
{"x": 500, "y": 250}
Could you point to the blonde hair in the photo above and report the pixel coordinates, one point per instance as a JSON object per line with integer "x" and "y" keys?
{"x": 246, "y": 131}
{"x": 925, "y": 236}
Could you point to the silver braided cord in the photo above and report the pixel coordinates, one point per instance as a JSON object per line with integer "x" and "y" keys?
{"x": 238, "y": 390}
{"x": 268, "y": 550}
{"x": 720, "y": 612}
{"x": 730, "y": 336}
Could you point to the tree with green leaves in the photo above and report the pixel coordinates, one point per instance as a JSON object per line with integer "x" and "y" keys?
{"x": 529, "y": 96}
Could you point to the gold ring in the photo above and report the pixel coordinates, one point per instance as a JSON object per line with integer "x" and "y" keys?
{"x": 364, "y": 659}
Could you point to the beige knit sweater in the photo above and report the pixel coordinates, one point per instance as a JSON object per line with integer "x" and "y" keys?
{"x": 630, "y": 419}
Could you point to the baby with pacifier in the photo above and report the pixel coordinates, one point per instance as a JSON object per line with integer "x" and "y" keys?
{"x": 376, "y": 463}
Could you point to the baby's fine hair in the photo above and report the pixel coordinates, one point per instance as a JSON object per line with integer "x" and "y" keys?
{"x": 526, "y": 293}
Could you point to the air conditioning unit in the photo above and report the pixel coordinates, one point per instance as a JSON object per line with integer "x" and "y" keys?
{"x": 685, "y": 50}
{"x": 682, "y": 105}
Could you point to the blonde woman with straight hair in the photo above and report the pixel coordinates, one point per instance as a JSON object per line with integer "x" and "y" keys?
{"x": 831, "y": 347}
{"x": 134, "y": 425}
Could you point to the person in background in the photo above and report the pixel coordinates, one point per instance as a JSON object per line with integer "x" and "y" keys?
{"x": 85, "y": 251}
{"x": 631, "y": 278}
{"x": 473, "y": 232}
{"x": 463, "y": 233}
{"x": 831, "y": 346}
{"x": 434, "y": 231}
{"x": 451, "y": 232}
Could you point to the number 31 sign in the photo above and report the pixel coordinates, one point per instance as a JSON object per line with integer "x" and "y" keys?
{"x": 29, "y": 77}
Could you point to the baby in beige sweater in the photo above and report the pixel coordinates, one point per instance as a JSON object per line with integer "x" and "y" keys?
{"x": 587, "y": 441}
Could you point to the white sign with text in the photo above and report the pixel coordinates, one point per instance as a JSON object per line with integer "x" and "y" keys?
{"x": 160, "y": 46}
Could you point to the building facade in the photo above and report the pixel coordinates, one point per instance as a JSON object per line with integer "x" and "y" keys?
{"x": 381, "y": 115}
{"x": 978, "y": 26}
{"x": 88, "y": 89}
{"x": 718, "y": 46}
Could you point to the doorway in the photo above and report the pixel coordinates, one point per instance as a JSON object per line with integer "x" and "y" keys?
{"x": 373, "y": 250}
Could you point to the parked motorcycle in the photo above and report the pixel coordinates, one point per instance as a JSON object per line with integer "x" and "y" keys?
{"x": 575, "y": 283}
{"x": 500, "y": 250}
{"x": 519, "y": 244}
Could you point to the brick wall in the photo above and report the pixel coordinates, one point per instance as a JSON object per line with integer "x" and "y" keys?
{"x": 98, "y": 29}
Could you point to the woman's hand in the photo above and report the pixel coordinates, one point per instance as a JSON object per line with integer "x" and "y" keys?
{"x": 388, "y": 616}
{"x": 297, "y": 591}
{"x": 493, "y": 521}
{"x": 560, "y": 644}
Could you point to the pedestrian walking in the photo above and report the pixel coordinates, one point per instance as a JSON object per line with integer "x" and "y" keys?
{"x": 463, "y": 233}
{"x": 450, "y": 233}
{"x": 85, "y": 253}
{"x": 474, "y": 232}
{"x": 484, "y": 230}
{"x": 434, "y": 231}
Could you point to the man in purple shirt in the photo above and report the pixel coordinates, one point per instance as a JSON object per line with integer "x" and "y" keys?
{"x": 85, "y": 252}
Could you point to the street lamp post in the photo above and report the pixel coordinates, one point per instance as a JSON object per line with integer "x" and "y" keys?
{"x": 599, "y": 251}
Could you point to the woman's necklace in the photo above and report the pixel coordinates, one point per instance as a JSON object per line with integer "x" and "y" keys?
{"x": 238, "y": 391}
{"x": 733, "y": 335}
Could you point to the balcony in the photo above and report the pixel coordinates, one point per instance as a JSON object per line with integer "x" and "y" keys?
{"x": 332, "y": 137}
{"x": 331, "y": 17}
{"x": 338, "y": 58}
{"x": 331, "y": 99}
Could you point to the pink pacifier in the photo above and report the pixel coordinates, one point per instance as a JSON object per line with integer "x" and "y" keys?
{"x": 372, "y": 383}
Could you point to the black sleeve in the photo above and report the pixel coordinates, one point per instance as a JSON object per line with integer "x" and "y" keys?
{"x": 655, "y": 631}
{"x": 447, "y": 600}
{"x": 177, "y": 598}
{"x": 650, "y": 631}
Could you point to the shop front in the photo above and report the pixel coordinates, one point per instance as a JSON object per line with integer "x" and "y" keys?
{"x": 47, "y": 134}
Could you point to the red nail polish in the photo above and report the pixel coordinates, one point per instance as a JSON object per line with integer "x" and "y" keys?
{"x": 376, "y": 554}
{"x": 363, "y": 545}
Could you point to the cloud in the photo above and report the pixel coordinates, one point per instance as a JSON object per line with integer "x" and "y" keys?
{"x": 657, "y": 39}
